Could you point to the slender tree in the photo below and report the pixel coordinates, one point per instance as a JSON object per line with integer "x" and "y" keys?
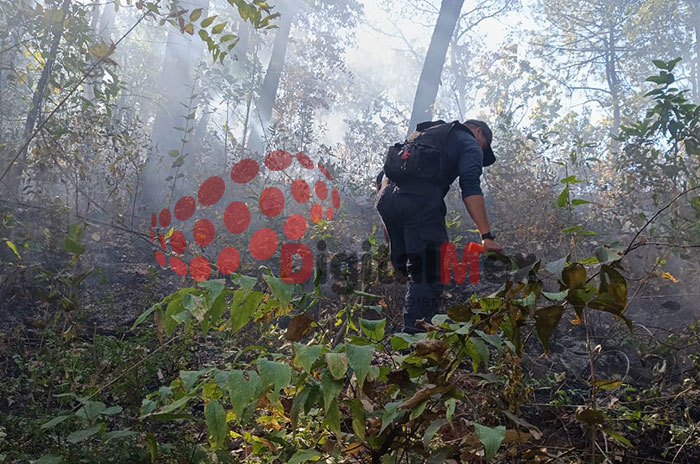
{"x": 429, "y": 81}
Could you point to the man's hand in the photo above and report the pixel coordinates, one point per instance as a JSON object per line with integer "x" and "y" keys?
{"x": 492, "y": 245}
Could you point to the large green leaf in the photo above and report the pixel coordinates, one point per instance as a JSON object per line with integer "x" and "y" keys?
{"x": 81, "y": 435}
{"x": 358, "y": 418}
{"x": 241, "y": 390}
{"x": 374, "y": 329}
{"x": 330, "y": 388}
{"x": 304, "y": 456}
{"x": 546, "y": 321}
{"x": 359, "y": 358}
{"x": 491, "y": 438}
{"x": 243, "y": 306}
{"x": 215, "y": 415}
{"x": 306, "y": 355}
{"x": 332, "y": 420}
{"x": 574, "y": 276}
{"x": 281, "y": 290}
{"x": 274, "y": 373}
{"x": 337, "y": 364}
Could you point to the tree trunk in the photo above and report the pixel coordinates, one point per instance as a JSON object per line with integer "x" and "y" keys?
{"x": 15, "y": 174}
{"x": 268, "y": 92}
{"x": 182, "y": 54}
{"x": 613, "y": 80}
{"x": 429, "y": 81}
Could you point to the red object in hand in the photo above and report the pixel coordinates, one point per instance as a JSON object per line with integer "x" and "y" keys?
{"x": 473, "y": 247}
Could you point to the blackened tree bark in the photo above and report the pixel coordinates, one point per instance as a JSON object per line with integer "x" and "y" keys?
{"x": 429, "y": 81}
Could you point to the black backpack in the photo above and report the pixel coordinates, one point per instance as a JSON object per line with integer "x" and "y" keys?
{"x": 421, "y": 157}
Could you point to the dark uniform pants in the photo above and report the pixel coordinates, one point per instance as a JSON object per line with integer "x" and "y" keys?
{"x": 414, "y": 217}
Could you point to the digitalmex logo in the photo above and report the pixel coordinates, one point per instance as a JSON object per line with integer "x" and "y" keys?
{"x": 249, "y": 217}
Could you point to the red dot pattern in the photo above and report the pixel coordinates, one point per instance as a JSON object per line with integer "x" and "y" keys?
{"x": 228, "y": 261}
{"x": 178, "y": 242}
{"x": 236, "y": 217}
{"x": 211, "y": 191}
{"x": 305, "y": 161}
{"x": 178, "y": 266}
{"x": 316, "y": 213}
{"x": 244, "y": 171}
{"x": 278, "y": 160}
{"x": 321, "y": 190}
{"x": 185, "y": 208}
{"x": 271, "y": 201}
{"x": 263, "y": 244}
{"x": 164, "y": 218}
{"x": 335, "y": 196}
{"x": 295, "y": 227}
{"x": 204, "y": 232}
{"x": 160, "y": 257}
{"x": 200, "y": 269}
{"x": 301, "y": 191}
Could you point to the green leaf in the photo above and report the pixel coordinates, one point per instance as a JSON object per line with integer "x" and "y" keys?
{"x": 189, "y": 378}
{"x": 282, "y": 291}
{"x": 304, "y": 456}
{"x": 12, "y": 247}
{"x": 49, "y": 459}
{"x": 608, "y": 384}
{"x": 491, "y": 438}
{"x": 663, "y": 78}
{"x": 207, "y": 22}
{"x": 337, "y": 364}
{"x": 358, "y": 418}
{"x": 215, "y": 415}
{"x": 450, "y": 405}
{"x": 431, "y": 431}
{"x": 618, "y": 437}
{"x": 373, "y": 329}
{"x": 168, "y": 408}
{"x": 577, "y": 202}
{"x": 242, "y": 391}
{"x": 117, "y": 434}
{"x": 332, "y": 420}
{"x": 330, "y": 388}
{"x": 306, "y": 355}
{"x": 574, "y": 276}
{"x": 243, "y": 307}
{"x": 54, "y": 422}
{"x": 359, "y": 358}
{"x": 91, "y": 410}
{"x": 196, "y": 14}
{"x": 572, "y": 180}
{"x": 546, "y": 321}
{"x": 390, "y": 414}
{"x": 563, "y": 198}
{"x": 558, "y": 296}
{"x": 81, "y": 435}
{"x": 72, "y": 246}
{"x": 218, "y": 29}
{"x": 478, "y": 352}
{"x": 275, "y": 373}
{"x": 556, "y": 267}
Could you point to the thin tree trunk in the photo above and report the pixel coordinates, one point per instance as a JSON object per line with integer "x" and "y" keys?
{"x": 268, "y": 92}
{"x": 429, "y": 81}
{"x": 15, "y": 175}
{"x": 182, "y": 53}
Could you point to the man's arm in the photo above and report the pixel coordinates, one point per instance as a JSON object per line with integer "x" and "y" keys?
{"x": 477, "y": 210}
{"x": 469, "y": 169}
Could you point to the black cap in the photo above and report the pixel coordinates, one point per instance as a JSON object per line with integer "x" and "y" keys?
{"x": 489, "y": 157}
